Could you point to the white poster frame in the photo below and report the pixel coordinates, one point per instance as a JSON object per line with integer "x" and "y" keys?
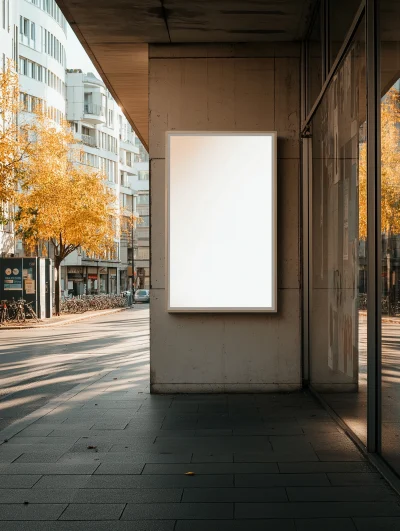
{"x": 239, "y": 309}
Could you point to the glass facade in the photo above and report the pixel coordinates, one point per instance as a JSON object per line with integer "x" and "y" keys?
{"x": 352, "y": 178}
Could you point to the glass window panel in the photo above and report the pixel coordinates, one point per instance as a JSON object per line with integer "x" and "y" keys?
{"x": 390, "y": 230}
{"x": 341, "y": 15}
{"x": 314, "y": 61}
{"x": 337, "y": 323}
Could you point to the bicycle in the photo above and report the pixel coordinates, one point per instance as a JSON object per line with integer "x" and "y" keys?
{"x": 30, "y": 312}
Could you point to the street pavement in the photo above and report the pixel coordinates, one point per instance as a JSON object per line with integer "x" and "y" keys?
{"x": 105, "y": 455}
{"x": 39, "y": 364}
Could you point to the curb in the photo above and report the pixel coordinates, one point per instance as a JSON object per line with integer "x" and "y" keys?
{"x": 67, "y": 321}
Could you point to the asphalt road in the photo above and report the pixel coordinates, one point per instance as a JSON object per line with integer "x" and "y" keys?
{"x": 37, "y": 365}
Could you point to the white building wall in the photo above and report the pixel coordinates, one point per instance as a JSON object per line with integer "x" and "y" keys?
{"x": 8, "y": 50}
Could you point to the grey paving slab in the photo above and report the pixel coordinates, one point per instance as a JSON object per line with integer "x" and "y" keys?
{"x": 33, "y": 511}
{"x": 19, "y": 481}
{"x": 342, "y": 455}
{"x": 343, "y": 478}
{"x": 62, "y": 482}
{"x": 152, "y": 495}
{"x": 45, "y": 456}
{"x": 37, "y": 495}
{"x": 213, "y": 444}
{"x": 148, "y": 525}
{"x": 123, "y": 457}
{"x": 41, "y": 430}
{"x": 325, "y": 524}
{"x": 93, "y": 511}
{"x": 121, "y": 469}
{"x": 281, "y": 480}
{"x": 358, "y": 493}
{"x": 158, "y": 481}
{"x": 377, "y": 524}
{"x": 8, "y": 455}
{"x": 67, "y": 441}
{"x": 235, "y": 525}
{"x": 316, "y": 510}
{"x": 212, "y": 458}
{"x": 288, "y": 456}
{"x": 237, "y": 494}
{"x": 326, "y": 466}
{"x": 211, "y": 468}
{"x": 178, "y": 511}
{"x": 46, "y": 468}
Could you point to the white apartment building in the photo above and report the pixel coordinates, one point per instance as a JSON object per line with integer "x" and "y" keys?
{"x": 34, "y": 34}
{"x": 108, "y": 144}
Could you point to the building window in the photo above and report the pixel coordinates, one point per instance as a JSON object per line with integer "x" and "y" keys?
{"x": 143, "y": 199}
{"x": 143, "y": 175}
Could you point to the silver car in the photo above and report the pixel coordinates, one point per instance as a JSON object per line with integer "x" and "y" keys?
{"x": 142, "y": 295}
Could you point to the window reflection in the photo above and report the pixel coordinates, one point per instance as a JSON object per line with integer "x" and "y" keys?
{"x": 338, "y": 325}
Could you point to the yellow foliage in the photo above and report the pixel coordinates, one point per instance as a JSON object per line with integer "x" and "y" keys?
{"x": 390, "y": 169}
{"x": 62, "y": 201}
{"x": 14, "y": 142}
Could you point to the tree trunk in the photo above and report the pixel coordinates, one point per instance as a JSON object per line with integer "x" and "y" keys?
{"x": 57, "y": 284}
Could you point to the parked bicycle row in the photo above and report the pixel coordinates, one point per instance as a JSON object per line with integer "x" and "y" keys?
{"x": 93, "y": 302}
{"x": 17, "y": 311}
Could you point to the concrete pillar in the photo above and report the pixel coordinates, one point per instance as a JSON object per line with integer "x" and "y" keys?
{"x": 228, "y": 88}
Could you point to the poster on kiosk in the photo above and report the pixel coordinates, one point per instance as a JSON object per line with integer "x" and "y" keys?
{"x": 29, "y": 279}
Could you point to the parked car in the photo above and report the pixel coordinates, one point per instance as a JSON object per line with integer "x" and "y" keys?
{"x": 142, "y": 295}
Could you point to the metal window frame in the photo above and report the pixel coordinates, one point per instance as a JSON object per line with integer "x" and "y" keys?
{"x": 374, "y": 253}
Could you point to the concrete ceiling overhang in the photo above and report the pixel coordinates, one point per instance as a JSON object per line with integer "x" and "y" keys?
{"x": 115, "y": 34}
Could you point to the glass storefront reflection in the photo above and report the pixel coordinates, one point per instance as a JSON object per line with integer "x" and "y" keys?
{"x": 338, "y": 258}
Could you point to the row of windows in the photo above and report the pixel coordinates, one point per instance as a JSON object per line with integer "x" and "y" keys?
{"x": 32, "y": 103}
{"x": 52, "y": 9}
{"x": 53, "y": 47}
{"x": 107, "y": 142}
{"x": 106, "y": 166}
{"x": 40, "y": 73}
{"x": 109, "y": 168}
{"x": 29, "y": 35}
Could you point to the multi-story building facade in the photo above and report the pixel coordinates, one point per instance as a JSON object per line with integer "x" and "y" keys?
{"x": 142, "y": 243}
{"x": 34, "y": 34}
{"x": 108, "y": 145}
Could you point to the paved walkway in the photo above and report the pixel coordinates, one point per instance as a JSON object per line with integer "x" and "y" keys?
{"x": 107, "y": 455}
{"x": 60, "y": 320}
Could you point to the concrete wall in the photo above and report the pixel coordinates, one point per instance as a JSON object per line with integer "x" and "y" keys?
{"x": 218, "y": 88}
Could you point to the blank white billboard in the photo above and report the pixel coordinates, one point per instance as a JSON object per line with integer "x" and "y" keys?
{"x": 221, "y": 222}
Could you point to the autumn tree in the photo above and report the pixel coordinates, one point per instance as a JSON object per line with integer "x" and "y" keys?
{"x": 62, "y": 201}
{"x": 15, "y": 141}
{"x": 390, "y": 171}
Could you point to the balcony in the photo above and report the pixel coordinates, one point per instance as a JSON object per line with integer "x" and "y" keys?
{"x": 94, "y": 113}
{"x": 88, "y": 140}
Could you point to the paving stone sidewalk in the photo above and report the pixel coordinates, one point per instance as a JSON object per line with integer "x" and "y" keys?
{"x": 112, "y": 457}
